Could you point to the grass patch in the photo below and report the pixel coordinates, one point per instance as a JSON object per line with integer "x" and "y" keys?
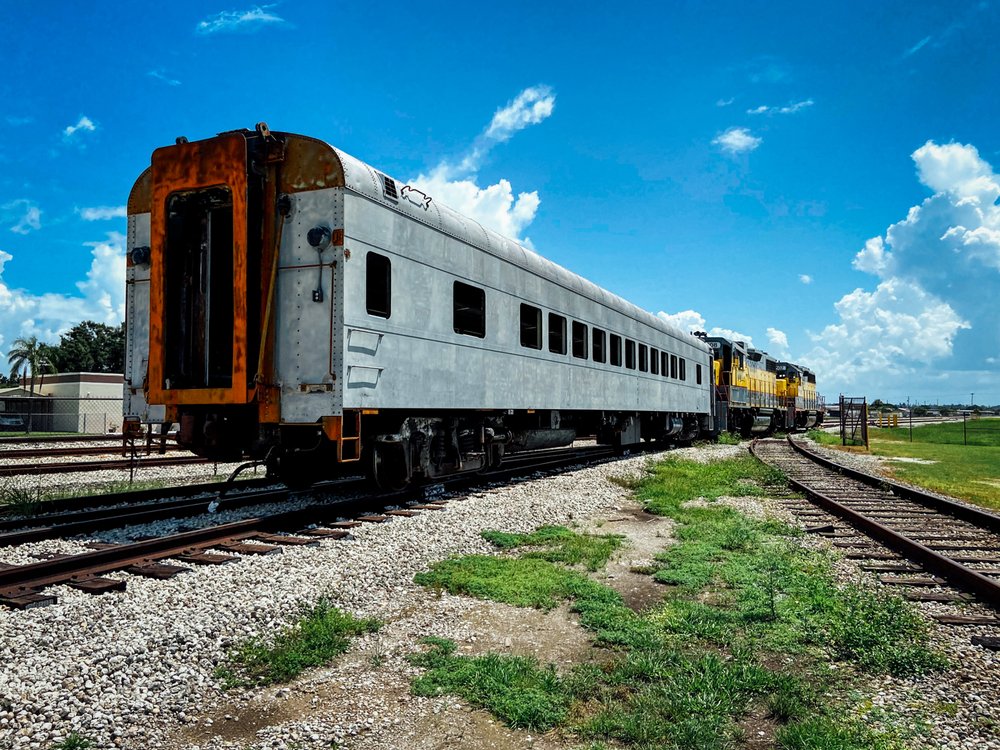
{"x": 20, "y": 501}
{"x": 728, "y": 438}
{"x": 73, "y": 742}
{"x": 559, "y": 544}
{"x": 744, "y": 598}
{"x": 321, "y": 633}
{"x": 518, "y": 690}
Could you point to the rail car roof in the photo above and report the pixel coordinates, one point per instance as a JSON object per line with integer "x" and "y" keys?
{"x": 309, "y": 167}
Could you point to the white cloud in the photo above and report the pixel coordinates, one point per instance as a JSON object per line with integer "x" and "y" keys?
{"x": 916, "y": 47}
{"x": 101, "y": 299}
{"x": 691, "y": 320}
{"x": 788, "y": 109}
{"x": 240, "y": 21}
{"x": 939, "y": 274}
{"x": 805, "y": 278}
{"x": 725, "y": 102}
{"x": 99, "y": 213}
{"x": 84, "y": 123}
{"x": 737, "y": 141}
{"x": 159, "y": 75}
{"x": 777, "y": 341}
{"x": 495, "y": 206}
{"x": 24, "y": 213}
{"x": 15, "y": 121}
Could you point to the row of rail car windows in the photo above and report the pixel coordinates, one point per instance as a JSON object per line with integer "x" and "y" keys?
{"x": 565, "y": 336}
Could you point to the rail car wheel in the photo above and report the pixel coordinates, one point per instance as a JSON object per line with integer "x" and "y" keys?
{"x": 387, "y": 467}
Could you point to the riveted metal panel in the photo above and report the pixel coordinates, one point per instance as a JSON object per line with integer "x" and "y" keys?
{"x": 137, "y": 327}
{"x": 308, "y": 332}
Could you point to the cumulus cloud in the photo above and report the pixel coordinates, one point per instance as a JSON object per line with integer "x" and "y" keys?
{"x": 788, "y": 109}
{"x": 495, "y": 206}
{"x": 939, "y": 274}
{"x": 805, "y": 278}
{"x": 737, "y": 141}
{"x": 100, "y": 213}
{"x": 101, "y": 298}
{"x": 691, "y": 320}
{"x": 777, "y": 343}
{"x": 240, "y": 21}
{"x": 84, "y": 123}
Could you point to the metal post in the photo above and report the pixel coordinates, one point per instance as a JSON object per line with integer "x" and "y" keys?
{"x": 965, "y": 432}
{"x": 911, "y": 417}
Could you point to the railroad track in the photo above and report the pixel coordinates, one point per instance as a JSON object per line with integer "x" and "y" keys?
{"x": 938, "y": 550}
{"x": 66, "y": 467}
{"x": 23, "y": 586}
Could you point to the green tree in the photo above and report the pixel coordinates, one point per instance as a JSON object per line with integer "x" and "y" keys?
{"x": 91, "y": 347}
{"x": 29, "y": 355}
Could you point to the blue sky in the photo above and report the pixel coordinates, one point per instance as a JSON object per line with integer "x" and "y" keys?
{"x": 817, "y": 179}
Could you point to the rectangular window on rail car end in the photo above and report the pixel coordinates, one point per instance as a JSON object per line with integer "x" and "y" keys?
{"x": 469, "y": 310}
{"x": 600, "y": 355}
{"x": 630, "y": 354}
{"x": 531, "y": 327}
{"x": 673, "y": 366}
{"x": 697, "y": 374}
{"x": 378, "y": 285}
{"x": 616, "y": 350}
{"x": 665, "y": 364}
{"x": 654, "y": 360}
{"x": 643, "y": 358}
{"x": 579, "y": 340}
{"x": 557, "y": 334}
{"x": 683, "y": 370}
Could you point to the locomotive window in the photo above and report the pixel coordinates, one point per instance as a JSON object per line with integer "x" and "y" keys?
{"x": 469, "y": 310}
{"x": 697, "y": 374}
{"x": 616, "y": 350}
{"x": 579, "y": 340}
{"x": 557, "y": 334}
{"x": 683, "y": 372}
{"x": 531, "y": 327}
{"x": 665, "y": 364}
{"x": 673, "y": 365}
{"x": 630, "y": 354}
{"x": 378, "y": 285}
{"x": 599, "y": 354}
{"x": 654, "y": 361}
{"x": 643, "y": 358}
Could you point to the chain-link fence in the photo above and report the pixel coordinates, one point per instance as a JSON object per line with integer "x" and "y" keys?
{"x": 966, "y": 430}
{"x": 41, "y": 415}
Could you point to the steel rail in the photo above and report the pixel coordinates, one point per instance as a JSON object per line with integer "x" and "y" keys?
{"x": 11, "y": 470}
{"x": 977, "y": 516}
{"x": 952, "y": 571}
{"x": 28, "y": 579}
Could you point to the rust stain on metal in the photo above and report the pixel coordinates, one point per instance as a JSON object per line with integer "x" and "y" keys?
{"x": 310, "y": 164}
{"x": 141, "y": 197}
{"x": 219, "y": 161}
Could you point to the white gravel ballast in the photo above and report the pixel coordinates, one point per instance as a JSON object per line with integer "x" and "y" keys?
{"x": 124, "y": 670}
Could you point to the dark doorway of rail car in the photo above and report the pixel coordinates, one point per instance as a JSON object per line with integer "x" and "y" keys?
{"x": 198, "y": 290}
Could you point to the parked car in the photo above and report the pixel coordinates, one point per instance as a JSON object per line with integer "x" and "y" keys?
{"x": 11, "y": 424}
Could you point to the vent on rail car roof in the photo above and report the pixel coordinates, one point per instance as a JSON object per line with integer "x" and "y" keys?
{"x": 389, "y": 187}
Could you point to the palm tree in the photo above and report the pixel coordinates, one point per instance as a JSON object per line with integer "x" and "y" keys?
{"x": 28, "y": 354}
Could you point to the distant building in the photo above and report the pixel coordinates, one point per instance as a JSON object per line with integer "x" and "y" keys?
{"x": 85, "y": 402}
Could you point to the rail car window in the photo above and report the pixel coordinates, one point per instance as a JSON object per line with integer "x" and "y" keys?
{"x": 557, "y": 334}
{"x": 531, "y": 327}
{"x": 616, "y": 350}
{"x": 579, "y": 340}
{"x": 630, "y": 354}
{"x": 378, "y": 285}
{"x": 643, "y": 358}
{"x": 469, "y": 310}
{"x": 600, "y": 355}
{"x": 697, "y": 374}
{"x": 654, "y": 360}
{"x": 673, "y": 366}
{"x": 683, "y": 370}
{"x": 665, "y": 364}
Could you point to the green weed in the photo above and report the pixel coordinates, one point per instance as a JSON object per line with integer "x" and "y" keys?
{"x": 559, "y": 544}
{"x": 73, "y": 742}
{"x": 322, "y": 633}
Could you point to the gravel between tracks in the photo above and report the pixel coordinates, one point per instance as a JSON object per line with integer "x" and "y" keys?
{"x": 135, "y": 670}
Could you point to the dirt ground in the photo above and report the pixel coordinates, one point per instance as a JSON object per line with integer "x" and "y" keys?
{"x": 363, "y": 700}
